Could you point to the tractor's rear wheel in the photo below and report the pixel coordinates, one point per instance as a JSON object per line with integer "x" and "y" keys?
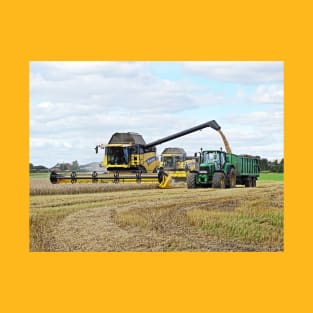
{"x": 191, "y": 180}
{"x": 231, "y": 179}
{"x": 218, "y": 180}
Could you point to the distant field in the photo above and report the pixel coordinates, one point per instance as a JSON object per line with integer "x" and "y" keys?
{"x": 271, "y": 177}
{"x": 39, "y": 175}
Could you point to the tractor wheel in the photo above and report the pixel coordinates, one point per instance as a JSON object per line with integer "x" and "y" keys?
{"x": 218, "y": 180}
{"x": 191, "y": 180}
{"x": 231, "y": 179}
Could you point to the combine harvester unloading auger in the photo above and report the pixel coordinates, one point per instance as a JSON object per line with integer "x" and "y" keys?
{"x": 130, "y": 160}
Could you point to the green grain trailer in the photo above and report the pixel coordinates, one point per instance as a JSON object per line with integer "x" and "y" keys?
{"x": 219, "y": 169}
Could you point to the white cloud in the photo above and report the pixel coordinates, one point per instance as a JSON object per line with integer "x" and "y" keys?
{"x": 249, "y": 72}
{"x": 75, "y": 106}
{"x": 64, "y": 70}
{"x": 259, "y": 133}
{"x": 272, "y": 94}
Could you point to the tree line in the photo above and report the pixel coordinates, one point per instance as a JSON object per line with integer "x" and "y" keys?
{"x": 74, "y": 166}
{"x": 272, "y": 166}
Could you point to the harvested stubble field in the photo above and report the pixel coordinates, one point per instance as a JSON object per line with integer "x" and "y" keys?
{"x": 145, "y": 218}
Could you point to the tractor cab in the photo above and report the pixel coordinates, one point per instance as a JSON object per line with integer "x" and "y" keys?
{"x": 213, "y": 160}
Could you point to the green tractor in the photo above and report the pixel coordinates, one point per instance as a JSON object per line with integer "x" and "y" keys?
{"x": 219, "y": 169}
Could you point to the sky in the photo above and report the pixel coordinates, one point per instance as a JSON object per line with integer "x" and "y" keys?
{"x": 76, "y": 105}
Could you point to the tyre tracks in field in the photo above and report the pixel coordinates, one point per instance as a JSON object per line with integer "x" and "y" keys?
{"x": 94, "y": 228}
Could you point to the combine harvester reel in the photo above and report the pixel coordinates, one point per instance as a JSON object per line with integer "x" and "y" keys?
{"x": 162, "y": 178}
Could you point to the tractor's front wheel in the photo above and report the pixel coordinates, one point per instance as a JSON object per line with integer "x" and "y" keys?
{"x": 218, "y": 180}
{"x": 191, "y": 180}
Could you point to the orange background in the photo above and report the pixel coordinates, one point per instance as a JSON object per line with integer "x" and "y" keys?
{"x": 160, "y": 282}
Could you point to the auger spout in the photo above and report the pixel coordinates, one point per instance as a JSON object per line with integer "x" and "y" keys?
{"x": 213, "y": 124}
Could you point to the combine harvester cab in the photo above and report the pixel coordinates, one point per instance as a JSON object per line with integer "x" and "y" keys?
{"x": 176, "y": 163}
{"x": 127, "y": 152}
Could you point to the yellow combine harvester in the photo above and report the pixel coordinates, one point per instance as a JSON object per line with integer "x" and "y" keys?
{"x": 129, "y": 159}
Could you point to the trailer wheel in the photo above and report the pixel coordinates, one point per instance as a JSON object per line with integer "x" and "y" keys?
{"x": 253, "y": 182}
{"x": 218, "y": 180}
{"x": 191, "y": 180}
{"x": 231, "y": 179}
{"x": 248, "y": 182}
